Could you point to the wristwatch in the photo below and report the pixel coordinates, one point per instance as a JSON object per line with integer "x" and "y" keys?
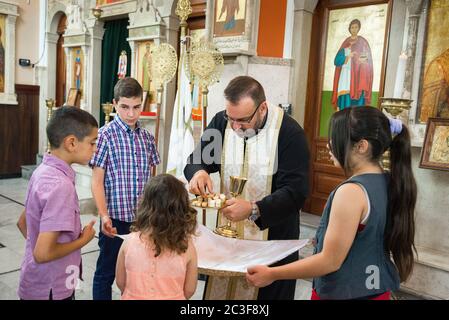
{"x": 255, "y": 214}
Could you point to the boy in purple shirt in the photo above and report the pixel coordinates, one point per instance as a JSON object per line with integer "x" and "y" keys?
{"x": 51, "y": 221}
{"x": 121, "y": 167}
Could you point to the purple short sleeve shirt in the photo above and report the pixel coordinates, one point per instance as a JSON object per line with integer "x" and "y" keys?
{"x": 51, "y": 205}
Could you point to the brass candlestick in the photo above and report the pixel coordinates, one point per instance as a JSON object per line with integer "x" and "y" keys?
{"x": 394, "y": 107}
{"x": 235, "y": 189}
{"x": 107, "y": 109}
{"x": 49, "y": 103}
{"x": 96, "y": 12}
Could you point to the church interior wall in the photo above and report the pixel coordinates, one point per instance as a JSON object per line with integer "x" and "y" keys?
{"x": 27, "y": 39}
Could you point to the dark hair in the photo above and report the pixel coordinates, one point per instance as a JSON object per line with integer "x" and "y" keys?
{"x": 355, "y": 21}
{"x": 67, "y": 120}
{"x": 165, "y": 214}
{"x": 127, "y": 87}
{"x": 242, "y": 87}
{"x": 351, "y": 125}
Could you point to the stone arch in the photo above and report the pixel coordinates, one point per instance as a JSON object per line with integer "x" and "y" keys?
{"x": 47, "y": 72}
{"x": 53, "y": 16}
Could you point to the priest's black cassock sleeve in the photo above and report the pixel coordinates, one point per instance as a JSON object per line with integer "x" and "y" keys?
{"x": 280, "y": 210}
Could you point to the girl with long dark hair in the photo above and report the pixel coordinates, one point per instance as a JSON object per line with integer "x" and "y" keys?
{"x": 365, "y": 241}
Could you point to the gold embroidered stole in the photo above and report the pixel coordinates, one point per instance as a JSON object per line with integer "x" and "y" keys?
{"x": 257, "y": 162}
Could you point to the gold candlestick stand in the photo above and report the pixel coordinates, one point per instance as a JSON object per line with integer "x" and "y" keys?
{"x": 107, "y": 109}
{"x": 394, "y": 107}
{"x": 96, "y": 12}
{"x": 49, "y": 103}
{"x": 163, "y": 69}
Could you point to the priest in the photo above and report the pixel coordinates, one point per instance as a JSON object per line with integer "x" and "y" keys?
{"x": 256, "y": 140}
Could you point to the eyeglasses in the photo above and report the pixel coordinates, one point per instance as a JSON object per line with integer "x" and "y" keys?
{"x": 242, "y": 120}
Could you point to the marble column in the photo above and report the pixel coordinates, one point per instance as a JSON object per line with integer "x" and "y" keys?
{"x": 47, "y": 75}
{"x": 10, "y": 55}
{"x": 414, "y": 8}
{"x": 93, "y": 67}
{"x": 302, "y": 29}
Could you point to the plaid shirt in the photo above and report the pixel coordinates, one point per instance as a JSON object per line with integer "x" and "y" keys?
{"x": 127, "y": 157}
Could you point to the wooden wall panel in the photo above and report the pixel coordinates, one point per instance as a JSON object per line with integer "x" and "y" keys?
{"x": 19, "y": 131}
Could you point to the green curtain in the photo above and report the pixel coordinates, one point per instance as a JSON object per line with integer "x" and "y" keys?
{"x": 114, "y": 41}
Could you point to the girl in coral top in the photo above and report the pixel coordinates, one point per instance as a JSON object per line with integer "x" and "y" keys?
{"x": 158, "y": 261}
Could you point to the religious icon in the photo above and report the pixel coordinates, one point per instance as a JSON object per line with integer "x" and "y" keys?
{"x": 144, "y": 75}
{"x": 229, "y": 17}
{"x": 77, "y": 69}
{"x": 231, "y": 7}
{"x": 354, "y": 68}
{"x": 435, "y": 152}
{"x": 434, "y": 95}
{"x": 78, "y": 73}
{"x": 146, "y": 67}
{"x": 353, "y": 78}
{"x": 122, "y": 62}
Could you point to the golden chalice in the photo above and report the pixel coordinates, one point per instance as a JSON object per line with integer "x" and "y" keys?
{"x": 50, "y": 104}
{"x": 235, "y": 189}
{"x": 107, "y": 109}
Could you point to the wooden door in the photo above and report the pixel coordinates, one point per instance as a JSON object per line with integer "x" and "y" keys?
{"x": 61, "y": 92}
{"x": 324, "y": 176}
{"x": 197, "y": 19}
{"x": 19, "y": 131}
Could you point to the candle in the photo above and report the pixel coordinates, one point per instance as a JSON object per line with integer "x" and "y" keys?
{"x": 400, "y": 75}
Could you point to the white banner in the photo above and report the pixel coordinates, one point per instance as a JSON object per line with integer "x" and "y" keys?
{"x": 181, "y": 135}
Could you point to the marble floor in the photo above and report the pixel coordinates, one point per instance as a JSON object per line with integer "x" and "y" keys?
{"x": 12, "y": 244}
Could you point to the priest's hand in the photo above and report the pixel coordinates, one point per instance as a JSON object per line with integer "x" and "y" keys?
{"x": 259, "y": 276}
{"x": 199, "y": 182}
{"x": 237, "y": 209}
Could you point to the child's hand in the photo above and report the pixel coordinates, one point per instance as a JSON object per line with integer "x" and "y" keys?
{"x": 106, "y": 227}
{"x": 88, "y": 232}
{"x": 259, "y": 276}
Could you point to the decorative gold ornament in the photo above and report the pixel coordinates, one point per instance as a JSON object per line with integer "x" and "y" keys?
{"x": 163, "y": 69}
{"x": 236, "y": 186}
{"x": 164, "y": 64}
{"x": 49, "y": 103}
{"x": 107, "y": 109}
{"x": 183, "y": 10}
{"x": 394, "y": 107}
{"x": 204, "y": 64}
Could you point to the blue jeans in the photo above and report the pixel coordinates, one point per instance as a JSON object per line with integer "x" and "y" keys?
{"x": 105, "y": 271}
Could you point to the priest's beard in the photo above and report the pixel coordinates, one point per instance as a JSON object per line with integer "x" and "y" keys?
{"x": 251, "y": 132}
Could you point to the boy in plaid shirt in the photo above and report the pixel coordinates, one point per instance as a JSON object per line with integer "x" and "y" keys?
{"x": 125, "y": 154}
